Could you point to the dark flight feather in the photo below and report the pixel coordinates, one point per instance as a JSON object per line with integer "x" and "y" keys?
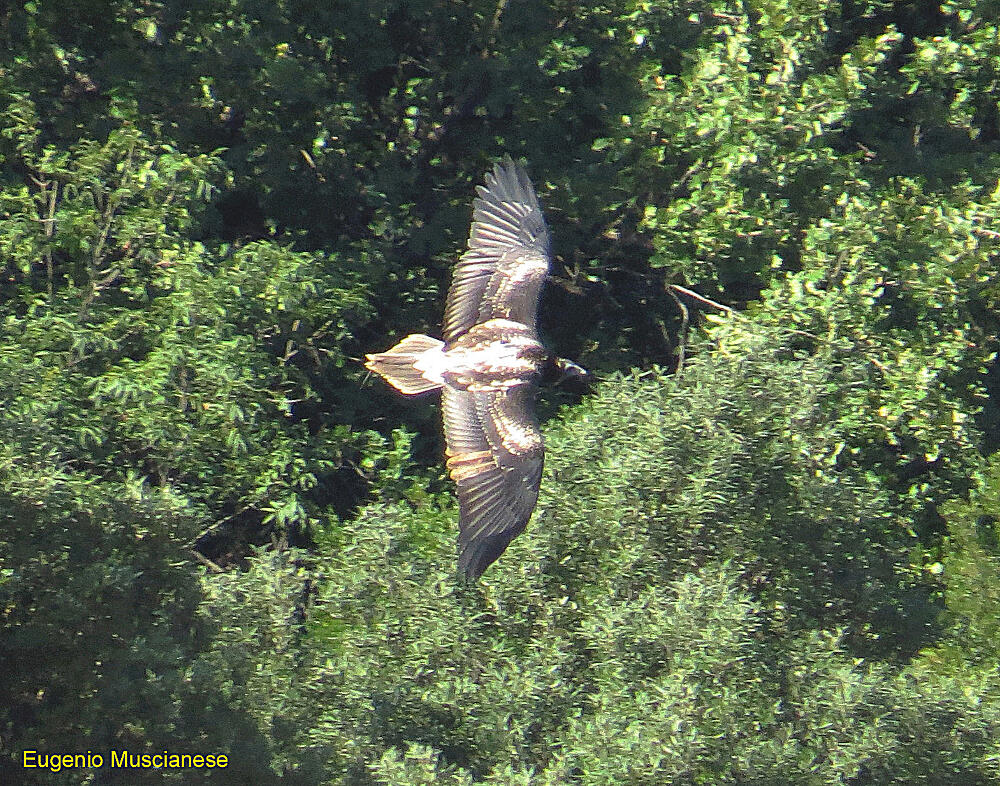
{"x": 488, "y": 367}
{"x": 495, "y": 457}
{"x": 501, "y": 274}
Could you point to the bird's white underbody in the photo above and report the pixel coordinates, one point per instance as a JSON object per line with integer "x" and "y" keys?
{"x": 488, "y": 367}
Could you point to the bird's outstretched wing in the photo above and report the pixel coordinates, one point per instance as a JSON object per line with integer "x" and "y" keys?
{"x": 495, "y": 456}
{"x": 501, "y": 274}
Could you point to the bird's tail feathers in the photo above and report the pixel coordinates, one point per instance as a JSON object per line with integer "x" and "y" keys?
{"x": 412, "y": 366}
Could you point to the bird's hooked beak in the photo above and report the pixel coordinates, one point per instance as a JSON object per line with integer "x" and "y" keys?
{"x": 568, "y": 370}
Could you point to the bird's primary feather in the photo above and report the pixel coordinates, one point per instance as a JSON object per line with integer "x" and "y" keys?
{"x": 501, "y": 274}
{"x": 489, "y": 367}
{"x": 495, "y": 457}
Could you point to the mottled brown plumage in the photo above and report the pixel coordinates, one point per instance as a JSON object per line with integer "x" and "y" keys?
{"x": 488, "y": 367}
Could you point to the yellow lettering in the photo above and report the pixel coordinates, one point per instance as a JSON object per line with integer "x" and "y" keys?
{"x": 30, "y": 759}
{"x": 123, "y": 759}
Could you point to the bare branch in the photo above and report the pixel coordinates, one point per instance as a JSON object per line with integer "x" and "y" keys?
{"x": 206, "y": 562}
{"x": 700, "y": 298}
{"x": 682, "y": 345}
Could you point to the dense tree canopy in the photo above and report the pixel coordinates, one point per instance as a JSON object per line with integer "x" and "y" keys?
{"x": 766, "y": 547}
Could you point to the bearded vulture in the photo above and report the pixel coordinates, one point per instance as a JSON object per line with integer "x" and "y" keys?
{"x": 488, "y": 367}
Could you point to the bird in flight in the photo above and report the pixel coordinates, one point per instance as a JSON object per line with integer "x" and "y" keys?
{"x": 488, "y": 367}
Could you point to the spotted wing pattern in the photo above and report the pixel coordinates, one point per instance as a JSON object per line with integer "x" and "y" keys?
{"x": 501, "y": 274}
{"x": 495, "y": 456}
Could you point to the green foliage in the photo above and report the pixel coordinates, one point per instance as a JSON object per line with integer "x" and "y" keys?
{"x": 98, "y": 652}
{"x": 971, "y": 570}
{"x": 690, "y": 605}
{"x": 741, "y": 143}
{"x": 128, "y": 348}
{"x": 773, "y": 564}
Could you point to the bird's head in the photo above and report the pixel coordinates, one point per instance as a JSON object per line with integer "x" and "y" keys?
{"x": 568, "y": 371}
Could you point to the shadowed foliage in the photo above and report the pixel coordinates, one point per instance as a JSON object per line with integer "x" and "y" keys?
{"x": 764, "y": 550}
